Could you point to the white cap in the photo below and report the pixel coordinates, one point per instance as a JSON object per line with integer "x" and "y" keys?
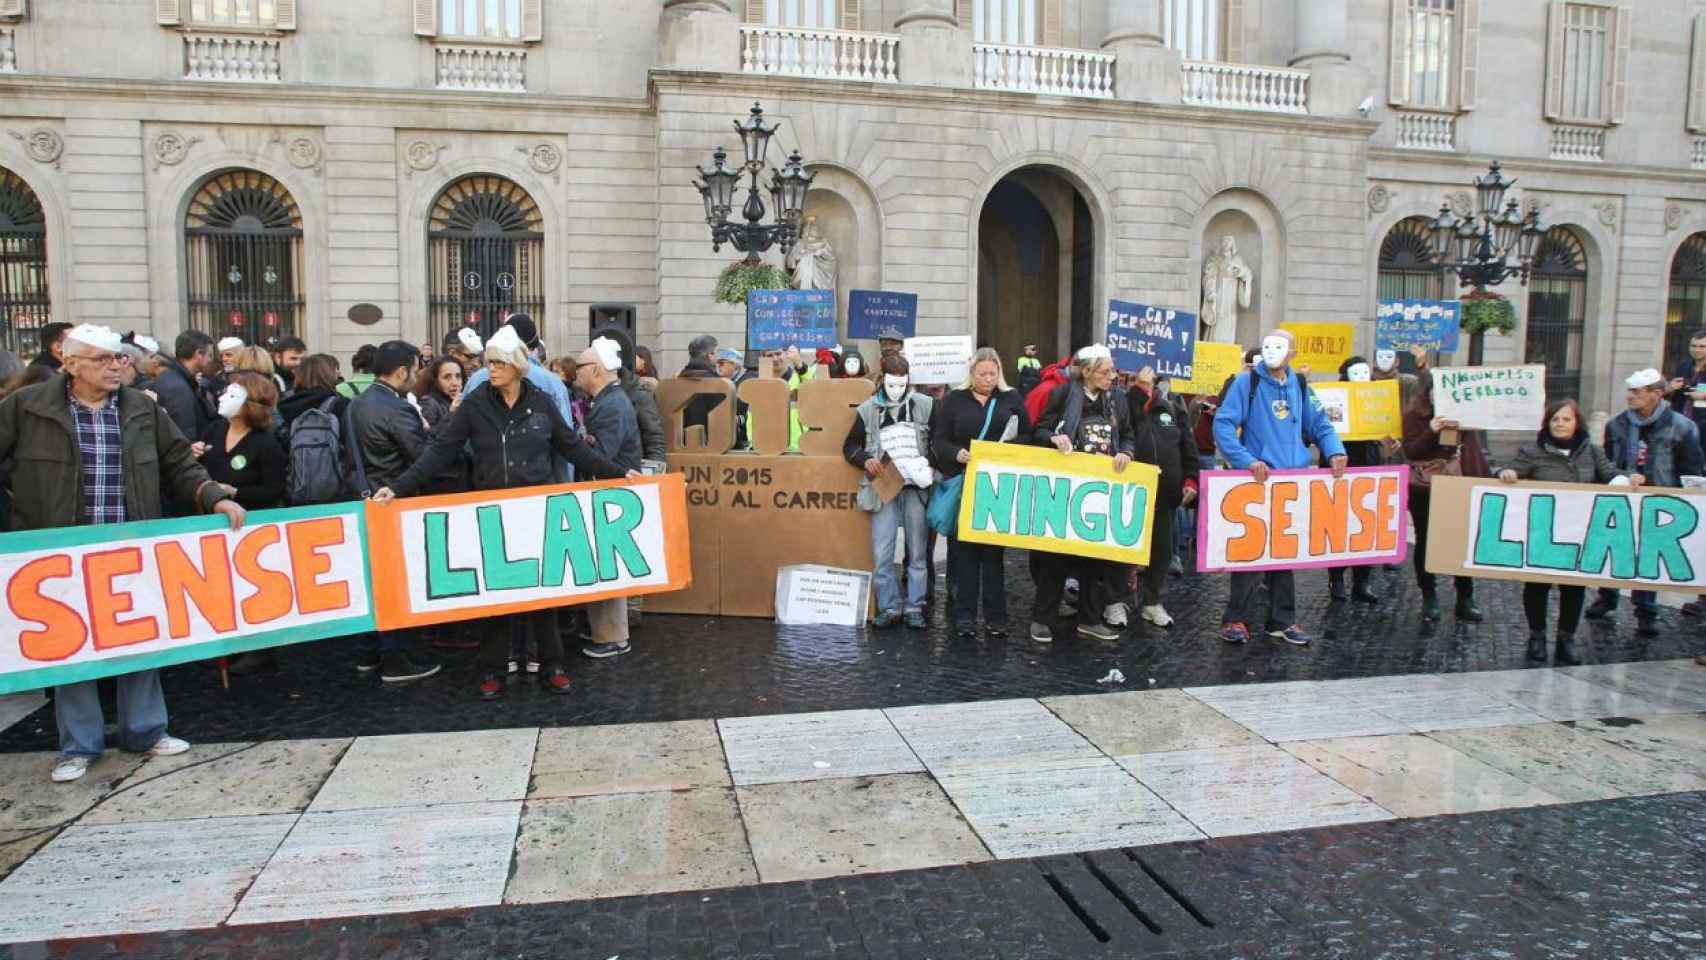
{"x": 1644, "y": 378}
{"x": 609, "y": 353}
{"x": 101, "y": 338}
{"x": 147, "y": 343}
{"x": 1093, "y": 352}
{"x": 505, "y": 346}
{"x": 470, "y": 340}
{"x": 230, "y": 343}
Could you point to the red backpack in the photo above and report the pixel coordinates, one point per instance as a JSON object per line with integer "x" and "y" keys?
{"x": 1054, "y": 375}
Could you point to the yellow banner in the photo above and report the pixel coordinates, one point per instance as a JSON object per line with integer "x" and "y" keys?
{"x": 1210, "y": 367}
{"x": 1362, "y": 411}
{"x": 1038, "y": 498}
{"x": 1321, "y": 347}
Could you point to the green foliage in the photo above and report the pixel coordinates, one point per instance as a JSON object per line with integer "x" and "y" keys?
{"x": 1488, "y": 314}
{"x": 739, "y": 277}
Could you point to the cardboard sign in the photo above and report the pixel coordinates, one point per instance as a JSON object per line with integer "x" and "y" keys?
{"x": 881, "y": 315}
{"x": 1301, "y": 518}
{"x": 1042, "y": 499}
{"x": 779, "y": 319}
{"x": 1143, "y": 336}
{"x": 1322, "y": 346}
{"x": 935, "y": 360}
{"x": 1402, "y": 324}
{"x": 1491, "y": 398}
{"x": 813, "y": 594}
{"x": 1210, "y": 367}
{"x": 1362, "y": 411}
{"x": 1587, "y": 534}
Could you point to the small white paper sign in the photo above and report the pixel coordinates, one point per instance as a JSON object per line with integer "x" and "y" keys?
{"x": 1491, "y": 398}
{"x": 808, "y": 593}
{"x": 935, "y": 360}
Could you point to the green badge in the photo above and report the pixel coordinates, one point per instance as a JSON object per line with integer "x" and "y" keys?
{"x": 239, "y": 462}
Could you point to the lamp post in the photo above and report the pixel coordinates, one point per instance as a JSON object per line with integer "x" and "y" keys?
{"x": 1480, "y": 247}
{"x": 787, "y": 189}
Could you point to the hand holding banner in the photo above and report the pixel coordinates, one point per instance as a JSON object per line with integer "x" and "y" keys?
{"x": 1301, "y": 518}
{"x": 1041, "y": 499}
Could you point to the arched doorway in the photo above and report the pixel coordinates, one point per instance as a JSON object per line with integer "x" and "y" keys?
{"x": 1557, "y": 311}
{"x": 24, "y": 301}
{"x": 1406, "y": 264}
{"x": 243, "y": 257}
{"x": 1036, "y": 273}
{"x": 1686, "y": 313}
{"x": 486, "y": 254}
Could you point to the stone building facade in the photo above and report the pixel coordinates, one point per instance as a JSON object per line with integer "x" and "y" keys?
{"x": 366, "y": 169}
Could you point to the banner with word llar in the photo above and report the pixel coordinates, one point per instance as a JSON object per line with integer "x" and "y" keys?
{"x": 1301, "y": 518}
{"x": 1038, "y": 498}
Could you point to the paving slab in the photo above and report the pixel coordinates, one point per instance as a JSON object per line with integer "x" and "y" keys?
{"x": 281, "y": 776}
{"x": 618, "y": 845}
{"x": 1228, "y": 791}
{"x": 353, "y": 863}
{"x": 832, "y": 828}
{"x": 1677, "y": 741}
{"x": 430, "y": 768}
{"x": 630, "y": 758}
{"x": 1569, "y": 763}
{"x": 1557, "y": 696}
{"x": 1426, "y": 702}
{"x": 1678, "y": 684}
{"x": 960, "y": 737}
{"x": 110, "y": 879}
{"x": 28, "y": 799}
{"x": 1413, "y": 776}
{"x": 16, "y": 846}
{"x": 1297, "y": 710}
{"x": 17, "y": 706}
{"x": 1148, "y": 721}
{"x": 814, "y": 746}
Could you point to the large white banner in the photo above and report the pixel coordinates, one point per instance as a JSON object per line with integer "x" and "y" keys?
{"x": 1491, "y": 398}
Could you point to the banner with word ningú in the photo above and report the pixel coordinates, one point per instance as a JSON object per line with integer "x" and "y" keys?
{"x": 1041, "y": 499}
{"x": 1301, "y": 518}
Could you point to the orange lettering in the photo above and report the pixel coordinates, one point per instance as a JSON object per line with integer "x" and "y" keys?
{"x": 272, "y": 596}
{"x": 210, "y": 587}
{"x": 1386, "y": 514}
{"x": 106, "y": 603}
{"x": 1235, "y": 508}
{"x": 1328, "y": 517}
{"x": 1284, "y": 545}
{"x": 308, "y": 563}
{"x": 1363, "y": 540}
{"x": 62, "y": 632}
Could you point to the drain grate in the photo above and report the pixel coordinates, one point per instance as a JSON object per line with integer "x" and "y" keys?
{"x": 1119, "y": 898}
{"x": 1168, "y": 888}
{"x": 1083, "y": 915}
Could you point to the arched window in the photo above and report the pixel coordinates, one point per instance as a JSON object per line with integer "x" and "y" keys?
{"x": 486, "y": 253}
{"x": 1686, "y": 313}
{"x": 1406, "y": 264}
{"x": 1557, "y": 311}
{"x": 24, "y": 302}
{"x": 243, "y": 257}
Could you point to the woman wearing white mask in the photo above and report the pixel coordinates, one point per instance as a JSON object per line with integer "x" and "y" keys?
{"x": 1360, "y": 453}
{"x": 892, "y": 428}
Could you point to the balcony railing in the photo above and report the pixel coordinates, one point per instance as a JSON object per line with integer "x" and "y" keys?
{"x": 8, "y": 50}
{"x": 1050, "y": 70}
{"x": 498, "y": 68}
{"x": 231, "y": 58}
{"x": 1584, "y": 144}
{"x": 1699, "y": 160}
{"x": 1243, "y": 86}
{"x": 1427, "y": 131}
{"x": 824, "y": 54}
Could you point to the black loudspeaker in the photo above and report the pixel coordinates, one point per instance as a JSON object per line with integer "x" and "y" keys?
{"x": 604, "y": 315}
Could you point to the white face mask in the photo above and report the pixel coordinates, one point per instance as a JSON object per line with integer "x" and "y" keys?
{"x": 1274, "y": 350}
{"x": 853, "y": 367}
{"x": 232, "y": 400}
{"x": 1385, "y": 359}
{"x": 1358, "y": 373}
{"x": 894, "y": 387}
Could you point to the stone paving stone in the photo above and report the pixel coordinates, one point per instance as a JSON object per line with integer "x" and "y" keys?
{"x": 16, "y": 846}
{"x": 1225, "y": 791}
{"x": 137, "y": 877}
{"x": 28, "y": 799}
{"x": 17, "y": 706}
{"x": 468, "y": 767}
{"x": 1677, "y": 684}
{"x": 631, "y": 758}
{"x": 814, "y": 746}
{"x": 963, "y": 737}
{"x": 1557, "y": 696}
{"x": 277, "y": 777}
{"x": 1413, "y": 776}
{"x": 1297, "y": 711}
{"x": 1568, "y": 763}
{"x": 1148, "y": 721}
{"x": 1677, "y": 741}
{"x": 352, "y": 863}
{"x": 827, "y": 828}
{"x": 623, "y": 844}
{"x": 1431, "y": 702}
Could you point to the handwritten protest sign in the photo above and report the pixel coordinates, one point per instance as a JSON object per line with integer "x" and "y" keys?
{"x": 1402, "y": 324}
{"x": 1322, "y": 346}
{"x": 938, "y": 359}
{"x": 779, "y": 319}
{"x": 1301, "y": 518}
{"x": 809, "y": 593}
{"x": 1361, "y": 411}
{"x": 1040, "y": 499}
{"x": 1620, "y": 537}
{"x": 1213, "y": 363}
{"x": 1143, "y": 336}
{"x": 880, "y": 315}
{"x": 1491, "y": 398}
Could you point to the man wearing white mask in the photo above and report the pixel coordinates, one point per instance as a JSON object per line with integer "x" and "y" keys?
{"x": 1268, "y": 421}
{"x": 893, "y": 427}
{"x": 613, "y": 428}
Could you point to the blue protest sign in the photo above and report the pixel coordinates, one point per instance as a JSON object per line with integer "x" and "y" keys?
{"x": 779, "y": 319}
{"x": 1143, "y": 336}
{"x": 879, "y": 314}
{"x": 1402, "y": 324}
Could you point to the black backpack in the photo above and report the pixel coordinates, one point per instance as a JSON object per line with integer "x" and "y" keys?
{"x": 317, "y": 471}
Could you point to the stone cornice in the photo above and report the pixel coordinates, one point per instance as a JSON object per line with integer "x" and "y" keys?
{"x": 1450, "y": 167}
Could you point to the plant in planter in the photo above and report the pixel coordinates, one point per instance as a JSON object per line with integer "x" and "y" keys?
{"x": 1484, "y": 311}
{"x": 742, "y": 276}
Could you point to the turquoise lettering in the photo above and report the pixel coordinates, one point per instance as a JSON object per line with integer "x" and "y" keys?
{"x": 1027, "y": 496}
{"x": 567, "y": 547}
{"x": 1543, "y": 551}
{"x": 1048, "y": 512}
{"x": 442, "y": 580}
{"x": 1092, "y": 528}
{"x": 614, "y": 536}
{"x": 1610, "y": 535}
{"x": 1491, "y": 548}
{"x": 501, "y": 573}
{"x": 1127, "y": 524}
{"x": 992, "y": 502}
{"x": 1665, "y": 522}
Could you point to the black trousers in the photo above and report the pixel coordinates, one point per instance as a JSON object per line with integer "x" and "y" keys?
{"x": 1093, "y": 586}
{"x": 1570, "y": 600}
{"x": 1419, "y": 515}
{"x": 540, "y": 627}
{"x": 979, "y": 571}
{"x": 1160, "y": 555}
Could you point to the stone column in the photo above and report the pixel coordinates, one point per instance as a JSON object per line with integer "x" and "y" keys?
{"x": 934, "y": 50}
{"x": 1147, "y": 69}
{"x": 699, "y": 35}
{"x": 1336, "y": 85}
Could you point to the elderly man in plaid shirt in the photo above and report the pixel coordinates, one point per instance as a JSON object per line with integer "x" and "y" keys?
{"x": 87, "y": 451}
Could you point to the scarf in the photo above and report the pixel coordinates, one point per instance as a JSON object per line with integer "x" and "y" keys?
{"x": 1645, "y": 422}
{"x": 1568, "y": 447}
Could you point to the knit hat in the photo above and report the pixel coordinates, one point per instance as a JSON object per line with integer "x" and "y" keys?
{"x": 505, "y": 346}
{"x": 525, "y": 328}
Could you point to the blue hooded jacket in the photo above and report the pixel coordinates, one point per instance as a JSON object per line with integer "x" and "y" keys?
{"x": 1282, "y": 442}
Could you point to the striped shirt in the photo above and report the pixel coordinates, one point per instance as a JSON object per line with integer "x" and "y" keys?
{"x": 101, "y": 451}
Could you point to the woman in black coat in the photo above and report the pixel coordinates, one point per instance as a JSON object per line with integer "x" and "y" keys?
{"x": 1161, "y": 436}
{"x": 1359, "y": 453}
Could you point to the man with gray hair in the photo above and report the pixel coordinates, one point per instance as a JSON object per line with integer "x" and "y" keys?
{"x": 703, "y": 347}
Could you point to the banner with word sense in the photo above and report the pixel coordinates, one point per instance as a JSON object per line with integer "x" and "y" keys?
{"x": 1036, "y": 498}
{"x": 1362, "y": 411}
{"x": 1491, "y": 398}
{"x": 1301, "y": 518}
{"x": 1141, "y": 336}
{"x": 1402, "y": 324}
{"x": 1644, "y": 538}
{"x": 80, "y": 603}
{"x": 1210, "y": 367}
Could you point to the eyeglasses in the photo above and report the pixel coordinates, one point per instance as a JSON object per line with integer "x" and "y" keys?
{"x": 106, "y": 359}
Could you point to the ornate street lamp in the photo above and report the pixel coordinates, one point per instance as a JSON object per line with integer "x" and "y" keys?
{"x": 1489, "y": 246}
{"x": 787, "y": 189}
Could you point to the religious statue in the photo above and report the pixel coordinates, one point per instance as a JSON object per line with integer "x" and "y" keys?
{"x": 812, "y": 261}
{"x": 1226, "y": 280}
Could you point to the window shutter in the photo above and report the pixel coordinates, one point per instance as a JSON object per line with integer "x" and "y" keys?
{"x": 754, "y": 11}
{"x": 850, "y": 15}
{"x": 533, "y": 20}
{"x": 1051, "y": 22}
{"x": 1398, "y": 76}
{"x": 1555, "y": 61}
{"x": 1232, "y": 39}
{"x": 1470, "y": 53}
{"x": 1697, "y": 79}
{"x": 166, "y": 12}
{"x": 284, "y": 14}
{"x": 426, "y": 18}
{"x": 14, "y": 9}
{"x": 967, "y": 19}
{"x": 1617, "y": 78}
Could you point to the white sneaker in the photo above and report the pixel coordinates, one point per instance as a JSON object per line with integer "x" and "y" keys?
{"x": 70, "y": 768}
{"x": 168, "y": 747}
{"x": 1157, "y": 614}
{"x": 1114, "y": 615}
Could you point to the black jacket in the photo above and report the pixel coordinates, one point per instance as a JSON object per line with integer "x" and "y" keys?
{"x": 1161, "y": 435}
{"x": 512, "y": 446}
{"x": 181, "y": 394}
{"x": 388, "y": 432}
{"x": 1067, "y": 406}
{"x": 646, "y": 412}
{"x": 958, "y": 419}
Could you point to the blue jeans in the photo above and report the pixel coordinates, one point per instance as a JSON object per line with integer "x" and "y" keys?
{"x": 906, "y": 510}
{"x": 1646, "y": 601}
{"x": 141, "y": 715}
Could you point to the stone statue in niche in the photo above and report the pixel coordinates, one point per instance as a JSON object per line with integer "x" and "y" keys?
{"x": 1226, "y": 282}
{"x": 812, "y": 261}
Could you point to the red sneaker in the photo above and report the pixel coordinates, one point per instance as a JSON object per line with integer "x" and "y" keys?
{"x": 491, "y": 687}
{"x": 554, "y": 680}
